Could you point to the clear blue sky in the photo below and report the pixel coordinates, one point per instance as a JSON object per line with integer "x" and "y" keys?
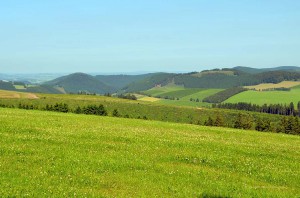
{"x": 147, "y": 35}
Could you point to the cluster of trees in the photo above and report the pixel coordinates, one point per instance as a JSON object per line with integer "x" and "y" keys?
{"x": 242, "y": 121}
{"x": 58, "y": 107}
{"x": 85, "y": 93}
{"x": 63, "y": 107}
{"x": 127, "y": 96}
{"x": 224, "y": 95}
{"x": 27, "y": 106}
{"x": 219, "y": 121}
{"x": 167, "y": 97}
{"x": 288, "y": 124}
{"x": 277, "y": 89}
{"x": 280, "y": 109}
{"x": 194, "y": 100}
{"x": 91, "y": 110}
{"x": 107, "y": 94}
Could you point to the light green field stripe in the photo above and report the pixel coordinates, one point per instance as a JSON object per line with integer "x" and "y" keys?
{"x": 267, "y": 97}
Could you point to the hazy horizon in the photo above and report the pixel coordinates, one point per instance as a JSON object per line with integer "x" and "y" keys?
{"x": 146, "y": 36}
{"x": 130, "y": 72}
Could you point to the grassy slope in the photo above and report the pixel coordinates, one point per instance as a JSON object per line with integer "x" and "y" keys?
{"x": 56, "y": 154}
{"x": 184, "y": 94}
{"x": 162, "y": 90}
{"x": 185, "y": 101}
{"x": 268, "y": 97}
{"x": 154, "y": 111}
{"x": 180, "y": 93}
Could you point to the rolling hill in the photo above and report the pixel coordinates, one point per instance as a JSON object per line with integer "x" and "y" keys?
{"x": 121, "y": 81}
{"x": 157, "y": 79}
{"x": 76, "y": 82}
{"x": 207, "y": 79}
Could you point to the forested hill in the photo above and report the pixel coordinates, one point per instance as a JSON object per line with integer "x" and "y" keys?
{"x": 121, "y": 81}
{"x": 77, "y": 82}
{"x": 159, "y": 79}
{"x": 225, "y": 80}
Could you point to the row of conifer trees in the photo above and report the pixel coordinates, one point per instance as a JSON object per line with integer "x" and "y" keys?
{"x": 288, "y": 124}
{"x": 280, "y": 109}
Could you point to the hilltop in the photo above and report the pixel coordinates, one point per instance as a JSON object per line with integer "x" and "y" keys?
{"x": 76, "y": 82}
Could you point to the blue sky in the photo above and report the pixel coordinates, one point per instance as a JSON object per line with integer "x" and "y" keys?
{"x": 120, "y": 36}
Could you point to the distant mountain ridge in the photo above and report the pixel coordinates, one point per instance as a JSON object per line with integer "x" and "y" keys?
{"x": 215, "y": 78}
{"x": 261, "y": 70}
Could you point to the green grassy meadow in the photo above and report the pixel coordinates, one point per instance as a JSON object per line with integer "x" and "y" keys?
{"x": 155, "y": 91}
{"x": 198, "y": 94}
{"x": 267, "y": 97}
{"x": 183, "y": 94}
{"x": 47, "y": 154}
{"x": 179, "y": 93}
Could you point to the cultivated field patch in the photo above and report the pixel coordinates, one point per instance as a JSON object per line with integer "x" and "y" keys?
{"x": 149, "y": 99}
{"x": 13, "y": 94}
{"x": 267, "y": 97}
{"x": 285, "y": 84}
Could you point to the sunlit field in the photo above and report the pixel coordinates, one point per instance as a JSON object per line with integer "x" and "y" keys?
{"x": 57, "y": 154}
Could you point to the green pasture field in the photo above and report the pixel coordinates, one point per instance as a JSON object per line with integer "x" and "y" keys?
{"x": 267, "y": 97}
{"x": 185, "y": 101}
{"x": 179, "y": 93}
{"x": 183, "y": 94}
{"x": 162, "y": 90}
{"x": 47, "y": 154}
{"x": 20, "y": 87}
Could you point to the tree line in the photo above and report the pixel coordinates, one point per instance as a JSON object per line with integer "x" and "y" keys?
{"x": 224, "y": 95}
{"x": 288, "y": 124}
{"x": 280, "y": 109}
{"x": 64, "y": 108}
